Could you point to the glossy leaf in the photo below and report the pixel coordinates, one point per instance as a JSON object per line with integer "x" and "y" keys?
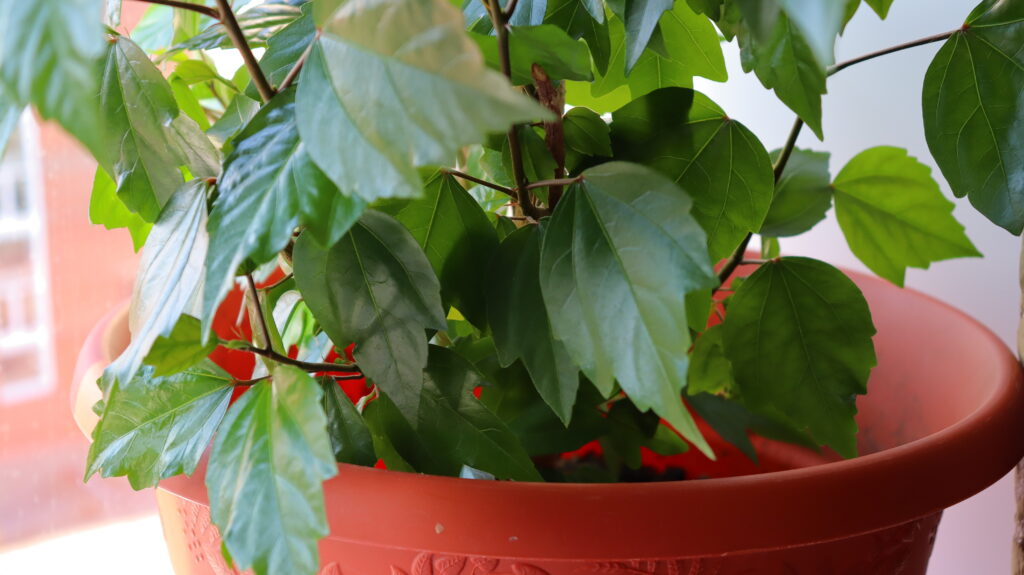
{"x": 587, "y": 133}
{"x": 239, "y": 112}
{"x": 803, "y": 195}
{"x": 577, "y": 18}
{"x": 265, "y": 476}
{"x": 973, "y": 113}
{"x": 627, "y": 229}
{"x": 170, "y": 276}
{"x": 520, "y": 324}
{"x": 458, "y": 240}
{"x": 819, "y": 23}
{"x": 434, "y": 108}
{"x": 106, "y": 209}
{"x": 786, "y": 64}
{"x": 641, "y": 19}
{"x": 285, "y": 48}
{"x": 561, "y": 57}
{"x": 50, "y": 50}
{"x": 258, "y": 23}
{"x": 152, "y": 428}
{"x": 147, "y": 140}
{"x": 376, "y": 288}
{"x": 180, "y": 349}
{"x": 350, "y": 438}
{"x": 894, "y": 216}
{"x": 798, "y": 334}
{"x": 717, "y": 160}
{"x": 269, "y": 186}
{"x": 526, "y": 13}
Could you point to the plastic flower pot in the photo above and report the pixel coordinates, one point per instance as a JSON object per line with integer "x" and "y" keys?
{"x": 943, "y": 419}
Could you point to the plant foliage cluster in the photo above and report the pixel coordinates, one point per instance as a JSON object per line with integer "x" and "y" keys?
{"x": 510, "y": 230}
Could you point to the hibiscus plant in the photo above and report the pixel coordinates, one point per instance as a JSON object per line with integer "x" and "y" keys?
{"x": 472, "y": 237}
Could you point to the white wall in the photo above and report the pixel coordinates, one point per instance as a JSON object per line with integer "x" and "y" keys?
{"x": 879, "y": 103}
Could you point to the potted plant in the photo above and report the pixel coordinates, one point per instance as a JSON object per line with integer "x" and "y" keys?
{"x": 510, "y": 242}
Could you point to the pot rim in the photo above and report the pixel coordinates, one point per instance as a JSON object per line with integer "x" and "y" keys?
{"x": 739, "y": 514}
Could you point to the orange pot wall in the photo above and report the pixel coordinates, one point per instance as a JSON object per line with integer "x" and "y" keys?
{"x": 944, "y": 418}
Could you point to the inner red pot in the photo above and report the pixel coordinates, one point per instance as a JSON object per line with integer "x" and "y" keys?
{"x": 944, "y": 418}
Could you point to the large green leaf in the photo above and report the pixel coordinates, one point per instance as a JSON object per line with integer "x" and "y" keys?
{"x": 269, "y": 186}
{"x": 376, "y": 288}
{"x": 520, "y": 324}
{"x": 575, "y": 17}
{"x": 587, "y": 133}
{"x": 641, "y": 19}
{"x": 285, "y": 48}
{"x": 717, "y": 160}
{"x": 894, "y": 216}
{"x": 458, "y": 240}
{"x": 548, "y": 46}
{"x": 49, "y": 52}
{"x": 819, "y": 22}
{"x": 258, "y": 23}
{"x": 974, "y": 115}
{"x": 154, "y": 427}
{"x": 628, "y": 230}
{"x": 170, "y": 276}
{"x": 147, "y": 141}
{"x": 433, "y": 108}
{"x": 803, "y": 195}
{"x": 798, "y": 334}
{"x": 710, "y": 371}
{"x": 106, "y": 209}
{"x": 350, "y": 438}
{"x": 785, "y": 63}
{"x": 265, "y": 476}
{"x": 527, "y": 13}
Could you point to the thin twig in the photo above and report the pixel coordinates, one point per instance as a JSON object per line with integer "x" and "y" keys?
{"x": 555, "y": 182}
{"x": 237, "y": 36}
{"x": 294, "y": 72}
{"x": 247, "y": 382}
{"x": 870, "y": 56}
{"x": 278, "y": 283}
{"x": 204, "y": 10}
{"x": 255, "y": 294}
{"x": 787, "y": 149}
{"x": 313, "y": 367}
{"x": 458, "y": 174}
{"x": 754, "y": 262}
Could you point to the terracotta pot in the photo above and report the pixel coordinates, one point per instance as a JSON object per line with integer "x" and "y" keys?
{"x": 944, "y": 418}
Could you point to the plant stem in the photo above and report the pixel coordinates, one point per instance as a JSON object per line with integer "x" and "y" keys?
{"x": 257, "y": 307}
{"x": 485, "y": 183}
{"x": 913, "y": 44}
{"x": 314, "y": 367}
{"x": 555, "y": 182}
{"x": 234, "y": 31}
{"x": 294, "y": 72}
{"x": 733, "y": 262}
{"x": 499, "y": 19}
{"x": 278, "y": 283}
{"x": 204, "y": 10}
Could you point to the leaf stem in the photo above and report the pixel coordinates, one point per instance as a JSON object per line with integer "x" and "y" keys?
{"x": 475, "y": 180}
{"x": 872, "y": 55}
{"x": 204, "y": 10}
{"x": 278, "y": 283}
{"x": 294, "y": 72}
{"x": 258, "y": 307}
{"x": 554, "y": 182}
{"x": 314, "y": 367}
{"x": 234, "y": 31}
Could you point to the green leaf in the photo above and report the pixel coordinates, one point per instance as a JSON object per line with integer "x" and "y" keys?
{"x": 973, "y": 112}
{"x": 350, "y": 438}
{"x": 50, "y": 50}
{"x": 376, "y": 288}
{"x": 798, "y": 334}
{"x": 269, "y": 186}
{"x": 527, "y": 13}
{"x": 451, "y": 420}
{"x": 458, "y": 240}
{"x": 152, "y": 428}
{"x": 147, "y": 140}
{"x": 819, "y": 22}
{"x": 587, "y": 133}
{"x": 239, "y": 112}
{"x": 258, "y": 23}
{"x": 561, "y": 57}
{"x": 894, "y": 216}
{"x": 717, "y": 160}
{"x": 881, "y": 7}
{"x": 170, "y": 276}
{"x": 269, "y": 460}
{"x": 180, "y": 349}
{"x": 106, "y": 209}
{"x": 576, "y": 18}
{"x": 434, "y": 108}
{"x": 628, "y": 230}
{"x": 710, "y": 371}
{"x": 196, "y": 71}
{"x": 786, "y": 64}
{"x": 188, "y": 102}
{"x": 520, "y": 324}
{"x": 397, "y": 443}
{"x": 803, "y": 194}
{"x": 641, "y": 19}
